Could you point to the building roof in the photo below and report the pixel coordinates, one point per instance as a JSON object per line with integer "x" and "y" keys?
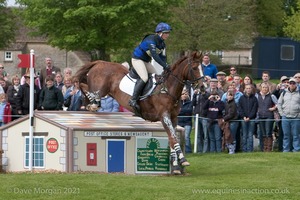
{"x": 93, "y": 121}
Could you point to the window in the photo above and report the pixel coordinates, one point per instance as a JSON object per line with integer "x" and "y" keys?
{"x": 38, "y": 152}
{"x": 287, "y": 52}
{"x": 8, "y": 56}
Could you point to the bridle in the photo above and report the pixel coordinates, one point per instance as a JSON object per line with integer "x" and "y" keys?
{"x": 194, "y": 81}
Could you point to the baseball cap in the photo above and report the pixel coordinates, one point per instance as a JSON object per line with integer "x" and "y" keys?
{"x": 292, "y": 80}
{"x": 283, "y": 78}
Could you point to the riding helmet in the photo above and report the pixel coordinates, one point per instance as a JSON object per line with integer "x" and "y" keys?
{"x": 163, "y": 27}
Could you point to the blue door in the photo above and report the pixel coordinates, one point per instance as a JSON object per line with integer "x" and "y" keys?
{"x": 115, "y": 155}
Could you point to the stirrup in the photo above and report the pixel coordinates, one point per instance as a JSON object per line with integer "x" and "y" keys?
{"x": 132, "y": 103}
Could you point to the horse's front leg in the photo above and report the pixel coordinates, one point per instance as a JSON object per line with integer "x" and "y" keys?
{"x": 174, "y": 145}
{"x": 175, "y": 168}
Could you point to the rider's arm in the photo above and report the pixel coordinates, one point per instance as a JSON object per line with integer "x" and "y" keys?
{"x": 156, "y": 57}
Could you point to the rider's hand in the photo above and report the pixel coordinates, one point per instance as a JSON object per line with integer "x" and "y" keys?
{"x": 167, "y": 68}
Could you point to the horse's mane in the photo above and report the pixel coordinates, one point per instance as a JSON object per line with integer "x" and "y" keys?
{"x": 193, "y": 55}
{"x": 180, "y": 60}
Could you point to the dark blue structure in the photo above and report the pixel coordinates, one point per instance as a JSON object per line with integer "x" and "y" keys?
{"x": 279, "y": 56}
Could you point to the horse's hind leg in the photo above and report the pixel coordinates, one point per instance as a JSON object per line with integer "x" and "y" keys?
{"x": 94, "y": 97}
{"x": 173, "y": 142}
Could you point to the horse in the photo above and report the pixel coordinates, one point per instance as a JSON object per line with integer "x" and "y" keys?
{"x": 100, "y": 78}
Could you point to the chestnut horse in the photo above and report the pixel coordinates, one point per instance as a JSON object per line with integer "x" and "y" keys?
{"x": 101, "y": 78}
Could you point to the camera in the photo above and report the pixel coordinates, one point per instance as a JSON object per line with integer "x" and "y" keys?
{"x": 214, "y": 97}
{"x": 282, "y": 86}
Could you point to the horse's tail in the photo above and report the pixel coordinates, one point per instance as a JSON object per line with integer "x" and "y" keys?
{"x": 82, "y": 73}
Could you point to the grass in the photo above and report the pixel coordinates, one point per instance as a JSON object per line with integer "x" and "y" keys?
{"x": 210, "y": 176}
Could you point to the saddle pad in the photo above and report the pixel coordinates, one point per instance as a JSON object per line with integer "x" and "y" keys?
{"x": 127, "y": 84}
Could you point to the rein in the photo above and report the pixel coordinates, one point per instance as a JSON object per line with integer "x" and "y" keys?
{"x": 189, "y": 65}
{"x": 182, "y": 82}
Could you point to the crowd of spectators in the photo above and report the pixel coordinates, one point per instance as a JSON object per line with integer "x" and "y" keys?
{"x": 54, "y": 89}
{"x": 234, "y": 104}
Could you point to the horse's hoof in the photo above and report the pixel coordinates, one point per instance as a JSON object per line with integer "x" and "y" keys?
{"x": 176, "y": 172}
{"x": 92, "y": 107}
{"x": 186, "y": 163}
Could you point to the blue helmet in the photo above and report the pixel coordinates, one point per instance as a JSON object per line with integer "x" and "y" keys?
{"x": 163, "y": 27}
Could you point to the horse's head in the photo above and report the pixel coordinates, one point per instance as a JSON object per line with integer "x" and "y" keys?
{"x": 195, "y": 77}
{"x": 189, "y": 69}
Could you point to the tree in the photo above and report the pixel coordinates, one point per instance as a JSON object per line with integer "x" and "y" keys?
{"x": 213, "y": 25}
{"x": 97, "y": 26}
{"x": 270, "y": 16}
{"x": 7, "y": 25}
{"x": 292, "y": 28}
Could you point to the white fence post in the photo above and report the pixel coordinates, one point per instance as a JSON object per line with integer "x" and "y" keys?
{"x": 196, "y": 133}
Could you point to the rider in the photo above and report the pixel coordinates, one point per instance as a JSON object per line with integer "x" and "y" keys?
{"x": 151, "y": 46}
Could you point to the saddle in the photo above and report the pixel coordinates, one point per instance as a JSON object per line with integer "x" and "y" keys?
{"x": 150, "y": 85}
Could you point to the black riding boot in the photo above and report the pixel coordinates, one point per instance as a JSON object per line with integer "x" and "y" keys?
{"x": 138, "y": 88}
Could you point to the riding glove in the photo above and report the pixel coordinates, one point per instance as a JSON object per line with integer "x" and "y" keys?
{"x": 166, "y": 68}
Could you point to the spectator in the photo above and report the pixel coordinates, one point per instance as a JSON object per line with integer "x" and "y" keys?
{"x": 74, "y": 96}
{"x": 213, "y": 109}
{"x": 266, "y": 79}
{"x": 222, "y": 83}
{"x": 3, "y": 73}
{"x": 5, "y": 110}
{"x": 248, "y": 106}
{"x": 51, "y": 98}
{"x": 213, "y": 87}
{"x": 23, "y": 97}
{"x": 49, "y": 70}
{"x": 237, "y": 93}
{"x": 266, "y": 106}
{"x": 199, "y": 99}
{"x": 108, "y": 104}
{"x": 297, "y": 78}
{"x": 58, "y": 81}
{"x": 238, "y": 80}
{"x": 67, "y": 84}
{"x": 231, "y": 114}
{"x": 289, "y": 109}
{"x": 36, "y": 79}
{"x": 4, "y": 84}
{"x": 284, "y": 84}
{"x": 246, "y": 81}
{"x": 67, "y": 72}
{"x": 12, "y": 92}
{"x": 1, "y": 90}
{"x": 232, "y": 72}
{"x": 208, "y": 69}
{"x": 185, "y": 118}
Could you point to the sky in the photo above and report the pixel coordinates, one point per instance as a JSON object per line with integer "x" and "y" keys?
{"x": 10, "y": 2}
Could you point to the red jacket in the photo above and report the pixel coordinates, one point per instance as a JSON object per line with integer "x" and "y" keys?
{"x": 7, "y": 114}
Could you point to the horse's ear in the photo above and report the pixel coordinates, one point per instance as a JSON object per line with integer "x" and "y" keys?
{"x": 197, "y": 55}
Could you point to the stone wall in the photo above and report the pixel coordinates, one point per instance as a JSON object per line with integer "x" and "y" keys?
{"x": 60, "y": 58}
